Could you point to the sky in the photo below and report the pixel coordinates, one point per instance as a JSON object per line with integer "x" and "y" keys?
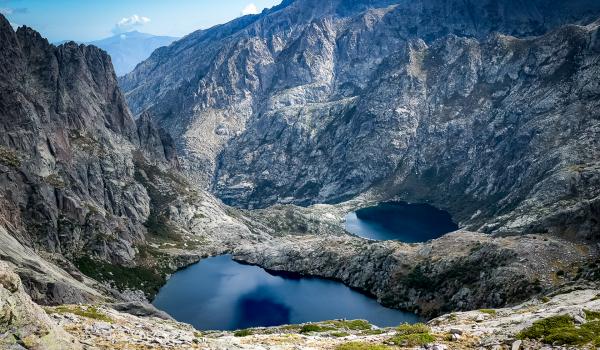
{"x": 87, "y": 20}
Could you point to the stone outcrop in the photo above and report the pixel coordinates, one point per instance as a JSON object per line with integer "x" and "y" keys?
{"x": 25, "y": 325}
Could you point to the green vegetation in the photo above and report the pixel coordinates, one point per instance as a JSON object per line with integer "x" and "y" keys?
{"x": 545, "y": 299}
{"x": 340, "y": 334}
{"x": 488, "y": 311}
{"x": 412, "y": 335}
{"x": 83, "y": 311}
{"x": 55, "y": 181}
{"x": 242, "y": 333}
{"x": 591, "y": 315}
{"x": 354, "y": 325}
{"x": 405, "y": 329}
{"x": 122, "y": 277}
{"x": 418, "y": 339}
{"x": 542, "y": 328}
{"x": 9, "y": 157}
{"x": 372, "y": 331}
{"x": 361, "y": 346}
{"x": 312, "y": 327}
{"x": 561, "y": 330}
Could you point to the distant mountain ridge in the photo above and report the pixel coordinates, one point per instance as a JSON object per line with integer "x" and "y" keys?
{"x": 128, "y": 49}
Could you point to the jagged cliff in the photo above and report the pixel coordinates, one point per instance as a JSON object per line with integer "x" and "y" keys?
{"x": 315, "y": 102}
{"x": 68, "y": 153}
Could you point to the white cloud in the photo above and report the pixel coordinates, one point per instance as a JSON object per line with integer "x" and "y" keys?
{"x": 250, "y": 9}
{"x": 127, "y": 24}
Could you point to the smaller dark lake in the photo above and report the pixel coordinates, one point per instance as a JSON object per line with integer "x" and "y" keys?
{"x": 221, "y": 294}
{"x": 400, "y": 221}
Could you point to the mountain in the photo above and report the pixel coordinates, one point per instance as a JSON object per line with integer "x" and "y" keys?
{"x": 69, "y": 148}
{"x": 129, "y": 49}
{"x": 487, "y": 109}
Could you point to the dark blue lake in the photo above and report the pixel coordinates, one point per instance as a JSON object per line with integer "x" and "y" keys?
{"x": 221, "y": 294}
{"x": 401, "y": 221}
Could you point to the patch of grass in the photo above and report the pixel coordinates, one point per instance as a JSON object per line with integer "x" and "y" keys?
{"x": 242, "y": 333}
{"x": 592, "y": 315}
{"x": 488, "y": 311}
{"x": 545, "y": 299}
{"x": 542, "y": 328}
{"x": 593, "y": 327}
{"x": 569, "y": 336}
{"x": 372, "y": 331}
{"x": 9, "y": 157}
{"x": 561, "y": 330}
{"x": 291, "y": 328}
{"x": 361, "y": 346}
{"x": 83, "y": 311}
{"x": 354, "y": 325}
{"x": 312, "y": 327}
{"x": 122, "y": 277}
{"x": 340, "y": 334}
{"x": 405, "y": 328}
{"x": 417, "y": 339}
{"x": 412, "y": 335}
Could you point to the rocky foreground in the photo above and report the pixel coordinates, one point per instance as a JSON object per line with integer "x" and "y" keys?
{"x": 25, "y": 325}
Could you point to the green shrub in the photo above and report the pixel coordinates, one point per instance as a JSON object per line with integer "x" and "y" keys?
{"x": 354, "y": 325}
{"x": 372, "y": 331}
{"x": 122, "y": 277}
{"x": 488, "y": 311}
{"x": 592, "y": 315}
{"x": 405, "y": 329}
{"x": 568, "y": 336}
{"x": 593, "y": 327}
{"x": 340, "y": 334}
{"x": 242, "y": 333}
{"x": 9, "y": 157}
{"x": 541, "y": 328}
{"x": 416, "y": 339}
{"x": 561, "y": 330}
{"x": 312, "y": 327}
{"x": 361, "y": 346}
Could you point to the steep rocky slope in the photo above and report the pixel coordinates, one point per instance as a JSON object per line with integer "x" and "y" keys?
{"x": 70, "y": 159}
{"x": 315, "y": 102}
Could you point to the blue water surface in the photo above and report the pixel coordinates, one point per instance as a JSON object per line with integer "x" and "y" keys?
{"x": 221, "y": 294}
{"x": 400, "y": 221}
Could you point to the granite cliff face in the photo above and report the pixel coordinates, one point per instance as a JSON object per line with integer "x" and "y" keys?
{"x": 68, "y": 153}
{"x": 313, "y": 102}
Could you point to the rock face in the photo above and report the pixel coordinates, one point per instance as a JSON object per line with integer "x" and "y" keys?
{"x": 68, "y": 153}
{"x": 314, "y": 101}
{"x": 23, "y": 324}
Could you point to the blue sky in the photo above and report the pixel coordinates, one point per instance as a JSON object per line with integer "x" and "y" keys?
{"x": 86, "y": 20}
